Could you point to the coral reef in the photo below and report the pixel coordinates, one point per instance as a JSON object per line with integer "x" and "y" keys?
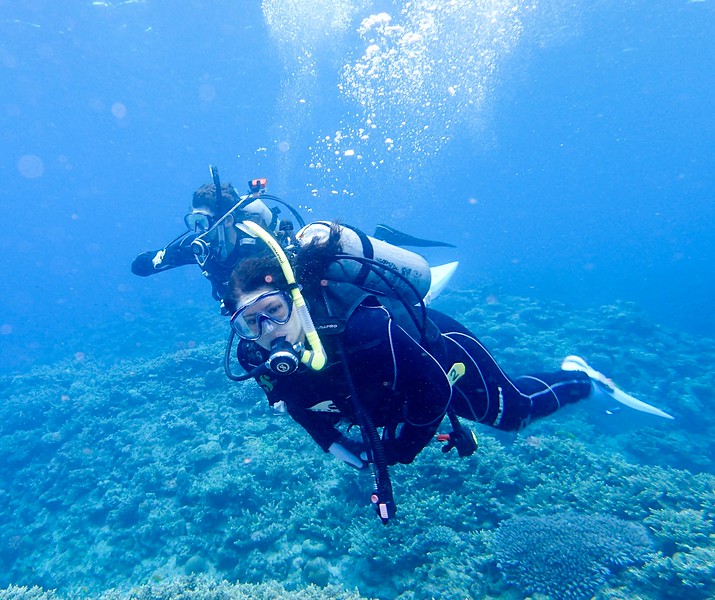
{"x": 195, "y": 588}
{"x": 148, "y": 466}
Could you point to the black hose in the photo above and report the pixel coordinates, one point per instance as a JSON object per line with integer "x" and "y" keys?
{"x": 296, "y": 214}
{"x": 382, "y": 496}
{"x": 227, "y": 363}
{"x": 250, "y": 198}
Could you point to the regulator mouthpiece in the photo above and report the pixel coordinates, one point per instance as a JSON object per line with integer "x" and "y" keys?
{"x": 202, "y": 250}
{"x": 283, "y": 359}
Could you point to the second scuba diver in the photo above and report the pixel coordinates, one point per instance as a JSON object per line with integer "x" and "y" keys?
{"x": 366, "y": 353}
{"x": 215, "y": 208}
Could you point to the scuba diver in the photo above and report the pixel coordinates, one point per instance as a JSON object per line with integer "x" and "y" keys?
{"x": 211, "y": 240}
{"x": 336, "y": 339}
{"x": 214, "y": 242}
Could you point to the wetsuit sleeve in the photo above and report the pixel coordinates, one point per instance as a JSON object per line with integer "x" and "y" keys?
{"x": 175, "y": 254}
{"x": 307, "y": 401}
{"x": 321, "y": 427}
{"x": 309, "y": 411}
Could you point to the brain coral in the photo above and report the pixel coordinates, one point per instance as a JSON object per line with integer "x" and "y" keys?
{"x": 566, "y": 556}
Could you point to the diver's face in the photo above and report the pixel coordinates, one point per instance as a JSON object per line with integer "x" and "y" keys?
{"x": 201, "y": 219}
{"x": 266, "y": 315}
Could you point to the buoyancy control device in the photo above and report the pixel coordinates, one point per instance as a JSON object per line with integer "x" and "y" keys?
{"x": 402, "y": 270}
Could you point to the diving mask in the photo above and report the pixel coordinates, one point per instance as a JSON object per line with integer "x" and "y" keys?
{"x": 260, "y": 315}
{"x": 199, "y": 222}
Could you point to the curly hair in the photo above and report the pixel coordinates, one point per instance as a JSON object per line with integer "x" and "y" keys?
{"x": 205, "y": 197}
{"x": 309, "y": 265}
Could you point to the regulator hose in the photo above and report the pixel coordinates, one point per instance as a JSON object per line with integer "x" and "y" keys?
{"x": 379, "y": 270}
{"x": 382, "y": 497}
{"x": 259, "y": 370}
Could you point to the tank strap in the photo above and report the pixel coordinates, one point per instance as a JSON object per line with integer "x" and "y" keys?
{"x": 367, "y": 251}
{"x": 332, "y": 305}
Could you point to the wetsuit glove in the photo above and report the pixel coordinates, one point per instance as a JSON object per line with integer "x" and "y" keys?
{"x": 149, "y": 263}
{"x": 350, "y": 452}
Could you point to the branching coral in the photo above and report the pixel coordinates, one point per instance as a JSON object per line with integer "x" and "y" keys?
{"x": 683, "y": 575}
{"x": 196, "y": 588}
{"x": 683, "y": 529}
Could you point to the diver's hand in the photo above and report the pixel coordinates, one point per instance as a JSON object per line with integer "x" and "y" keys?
{"x": 171, "y": 256}
{"x": 463, "y": 439}
{"x": 399, "y": 451}
{"x": 350, "y": 452}
{"x": 158, "y": 258}
{"x": 450, "y": 439}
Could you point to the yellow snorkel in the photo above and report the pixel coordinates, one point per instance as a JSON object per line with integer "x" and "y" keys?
{"x": 315, "y": 357}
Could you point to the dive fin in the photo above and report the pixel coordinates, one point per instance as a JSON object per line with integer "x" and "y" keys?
{"x": 440, "y": 278}
{"x": 390, "y": 235}
{"x": 620, "y": 396}
{"x": 603, "y": 385}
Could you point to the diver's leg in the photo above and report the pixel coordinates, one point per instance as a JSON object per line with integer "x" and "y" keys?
{"x": 485, "y": 393}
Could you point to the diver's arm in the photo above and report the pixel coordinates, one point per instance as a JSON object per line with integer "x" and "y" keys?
{"x": 297, "y": 393}
{"x": 175, "y": 254}
{"x": 320, "y": 426}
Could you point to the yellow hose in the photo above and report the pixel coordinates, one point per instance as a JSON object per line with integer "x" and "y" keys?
{"x": 315, "y": 357}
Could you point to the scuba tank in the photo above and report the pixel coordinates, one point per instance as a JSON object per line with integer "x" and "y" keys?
{"x": 411, "y": 266}
{"x": 258, "y": 212}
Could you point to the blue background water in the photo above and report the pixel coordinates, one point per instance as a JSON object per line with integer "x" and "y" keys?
{"x": 583, "y": 169}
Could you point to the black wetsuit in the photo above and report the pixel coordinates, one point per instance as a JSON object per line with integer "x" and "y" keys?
{"x": 403, "y": 384}
{"x": 179, "y": 253}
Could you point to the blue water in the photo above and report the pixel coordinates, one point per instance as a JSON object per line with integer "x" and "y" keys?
{"x": 566, "y": 148}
